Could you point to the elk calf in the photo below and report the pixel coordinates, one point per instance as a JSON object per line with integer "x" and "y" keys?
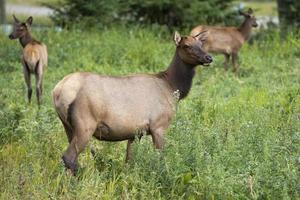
{"x": 119, "y": 108}
{"x": 227, "y": 40}
{"x": 34, "y": 58}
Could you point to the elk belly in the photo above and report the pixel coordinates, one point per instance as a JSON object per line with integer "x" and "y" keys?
{"x": 118, "y": 133}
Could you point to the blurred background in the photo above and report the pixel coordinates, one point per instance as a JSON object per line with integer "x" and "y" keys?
{"x": 166, "y": 14}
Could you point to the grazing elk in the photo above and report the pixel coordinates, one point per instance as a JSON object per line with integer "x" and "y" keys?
{"x": 34, "y": 58}
{"x": 113, "y": 108}
{"x": 227, "y": 40}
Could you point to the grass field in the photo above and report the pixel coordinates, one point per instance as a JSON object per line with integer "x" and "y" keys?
{"x": 232, "y": 138}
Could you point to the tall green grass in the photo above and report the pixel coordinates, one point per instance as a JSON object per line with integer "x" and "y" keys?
{"x": 232, "y": 138}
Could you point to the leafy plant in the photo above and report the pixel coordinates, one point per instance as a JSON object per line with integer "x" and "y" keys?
{"x": 178, "y": 13}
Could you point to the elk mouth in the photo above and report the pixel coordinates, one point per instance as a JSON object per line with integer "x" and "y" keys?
{"x": 11, "y": 37}
{"x": 205, "y": 64}
{"x": 207, "y": 60}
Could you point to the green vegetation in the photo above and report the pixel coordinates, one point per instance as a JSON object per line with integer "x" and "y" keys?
{"x": 33, "y": 2}
{"x": 176, "y": 13}
{"x": 289, "y": 15}
{"x": 232, "y": 138}
{"x": 268, "y": 8}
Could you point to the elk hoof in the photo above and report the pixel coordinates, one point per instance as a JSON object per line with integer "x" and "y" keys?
{"x": 70, "y": 165}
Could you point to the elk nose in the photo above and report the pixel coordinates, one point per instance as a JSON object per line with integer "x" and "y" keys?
{"x": 208, "y": 58}
{"x": 10, "y": 36}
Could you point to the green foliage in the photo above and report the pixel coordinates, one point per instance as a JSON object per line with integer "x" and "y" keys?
{"x": 289, "y": 14}
{"x": 87, "y": 12}
{"x": 231, "y": 138}
{"x": 178, "y": 13}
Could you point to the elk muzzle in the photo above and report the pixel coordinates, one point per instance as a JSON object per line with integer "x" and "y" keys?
{"x": 11, "y": 36}
{"x": 207, "y": 59}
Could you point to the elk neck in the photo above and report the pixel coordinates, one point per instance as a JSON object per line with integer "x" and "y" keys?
{"x": 245, "y": 29}
{"x": 179, "y": 75}
{"x": 25, "y": 39}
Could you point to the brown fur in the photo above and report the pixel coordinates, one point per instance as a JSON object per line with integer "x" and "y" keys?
{"x": 113, "y": 108}
{"x": 227, "y": 40}
{"x": 34, "y": 57}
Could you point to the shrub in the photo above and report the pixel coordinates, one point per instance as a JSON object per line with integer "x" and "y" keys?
{"x": 178, "y": 13}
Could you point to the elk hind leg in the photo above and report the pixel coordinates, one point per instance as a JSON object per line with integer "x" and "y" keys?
{"x": 83, "y": 131}
{"x": 27, "y": 80}
{"x": 68, "y": 131}
{"x": 39, "y": 82}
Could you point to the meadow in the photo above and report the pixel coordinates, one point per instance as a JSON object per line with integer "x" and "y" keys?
{"x": 232, "y": 137}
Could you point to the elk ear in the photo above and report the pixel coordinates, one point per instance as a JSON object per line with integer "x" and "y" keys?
{"x": 202, "y": 36}
{"x": 16, "y": 19}
{"x": 250, "y": 11}
{"x": 29, "y": 21}
{"x": 177, "y": 38}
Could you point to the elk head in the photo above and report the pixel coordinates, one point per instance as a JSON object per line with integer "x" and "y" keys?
{"x": 20, "y": 28}
{"x": 190, "y": 49}
{"x": 249, "y": 17}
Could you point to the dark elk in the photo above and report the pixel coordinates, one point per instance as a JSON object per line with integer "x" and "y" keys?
{"x": 116, "y": 108}
{"x": 34, "y": 57}
{"x": 227, "y": 40}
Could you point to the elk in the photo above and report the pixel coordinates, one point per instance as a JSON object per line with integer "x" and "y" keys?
{"x": 34, "y": 57}
{"x": 227, "y": 40}
{"x": 117, "y": 108}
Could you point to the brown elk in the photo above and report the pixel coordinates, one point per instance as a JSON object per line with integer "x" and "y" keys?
{"x": 113, "y": 108}
{"x": 227, "y": 40}
{"x": 34, "y": 58}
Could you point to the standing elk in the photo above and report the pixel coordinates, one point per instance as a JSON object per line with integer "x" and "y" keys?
{"x": 116, "y": 108}
{"x": 227, "y": 40}
{"x": 34, "y": 57}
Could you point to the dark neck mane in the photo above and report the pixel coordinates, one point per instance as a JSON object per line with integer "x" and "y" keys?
{"x": 179, "y": 75}
{"x": 245, "y": 29}
{"x": 24, "y": 40}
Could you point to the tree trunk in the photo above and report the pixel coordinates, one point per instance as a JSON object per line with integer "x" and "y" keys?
{"x": 289, "y": 14}
{"x": 2, "y": 11}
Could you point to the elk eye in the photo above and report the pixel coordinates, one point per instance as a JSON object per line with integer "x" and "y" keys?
{"x": 186, "y": 46}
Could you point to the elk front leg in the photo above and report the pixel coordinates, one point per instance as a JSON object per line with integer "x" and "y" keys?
{"x": 129, "y": 150}
{"x": 26, "y": 73}
{"x": 39, "y": 83}
{"x": 227, "y": 57}
{"x": 235, "y": 63}
{"x": 158, "y": 138}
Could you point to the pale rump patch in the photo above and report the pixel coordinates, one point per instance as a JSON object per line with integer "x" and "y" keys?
{"x": 69, "y": 86}
{"x": 34, "y": 53}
